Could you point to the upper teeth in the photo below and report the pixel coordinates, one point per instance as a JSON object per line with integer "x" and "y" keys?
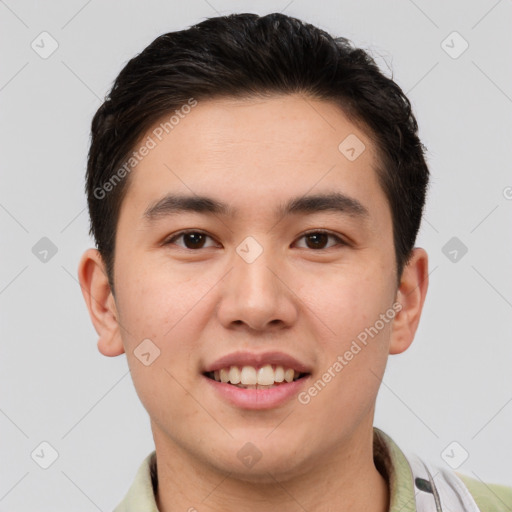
{"x": 249, "y": 375}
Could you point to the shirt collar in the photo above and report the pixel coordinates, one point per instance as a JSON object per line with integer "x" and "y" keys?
{"x": 389, "y": 460}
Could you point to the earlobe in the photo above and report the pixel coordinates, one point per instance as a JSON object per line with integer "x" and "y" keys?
{"x": 411, "y": 297}
{"x": 100, "y": 302}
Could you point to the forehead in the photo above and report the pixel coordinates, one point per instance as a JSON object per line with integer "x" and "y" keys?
{"x": 250, "y": 152}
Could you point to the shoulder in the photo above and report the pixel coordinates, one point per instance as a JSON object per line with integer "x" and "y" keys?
{"x": 141, "y": 494}
{"x": 488, "y": 496}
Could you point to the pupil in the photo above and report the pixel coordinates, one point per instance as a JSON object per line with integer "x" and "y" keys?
{"x": 192, "y": 236}
{"x": 322, "y": 239}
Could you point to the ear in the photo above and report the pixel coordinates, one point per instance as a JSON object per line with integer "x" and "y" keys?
{"x": 100, "y": 302}
{"x": 411, "y": 296}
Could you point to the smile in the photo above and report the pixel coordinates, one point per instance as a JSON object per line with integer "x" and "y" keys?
{"x": 256, "y": 380}
{"x": 251, "y": 377}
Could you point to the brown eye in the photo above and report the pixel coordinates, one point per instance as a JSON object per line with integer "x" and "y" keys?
{"x": 196, "y": 240}
{"x": 318, "y": 239}
{"x": 192, "y": 239}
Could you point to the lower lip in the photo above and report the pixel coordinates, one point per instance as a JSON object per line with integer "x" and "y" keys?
{"x": 258, "y": 398}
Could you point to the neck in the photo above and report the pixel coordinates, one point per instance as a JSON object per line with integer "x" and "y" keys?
{"x": 345, "y": 479}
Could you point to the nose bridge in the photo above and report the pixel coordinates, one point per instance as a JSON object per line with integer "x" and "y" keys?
{"x": 255, "y": 281}
{"x": 253, "y": 293}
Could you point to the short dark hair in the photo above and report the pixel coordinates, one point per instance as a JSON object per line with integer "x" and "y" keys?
{"x": 242, "y": 56}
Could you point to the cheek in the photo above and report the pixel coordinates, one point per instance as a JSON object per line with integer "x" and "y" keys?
{"x": 153, "y": 303}
{"x": 351, "y": 300}
{"x": 168, "y": 309}
{"x": 355, "y": 347}
{"x": 158, "y": 318}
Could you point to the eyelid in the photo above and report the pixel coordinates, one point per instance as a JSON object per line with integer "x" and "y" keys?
{"x": 320, "y": 230}
{"x": 177, "y": 235}
{"x": 341, "y": 240}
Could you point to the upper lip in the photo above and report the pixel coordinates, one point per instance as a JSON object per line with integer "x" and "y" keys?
{"x": 244, "y": 358}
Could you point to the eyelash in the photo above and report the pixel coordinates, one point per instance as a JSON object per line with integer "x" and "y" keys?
{"x": 340, "y": 241}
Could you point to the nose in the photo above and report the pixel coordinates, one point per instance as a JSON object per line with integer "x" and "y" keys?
{"x": 257, "y": 295}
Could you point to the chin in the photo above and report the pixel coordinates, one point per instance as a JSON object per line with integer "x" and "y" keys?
{"x": 263, "y": 472}
{"x": 260, "y": 462}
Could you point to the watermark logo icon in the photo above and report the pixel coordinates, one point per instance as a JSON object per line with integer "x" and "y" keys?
{"x": 44, "y": 45}
{"x": 44, "y": 455}
{"x": 454, "y": 45}
{"x": 454, "y": 455}
{"x": 44, "y": 250}
{"x": 454, "y": 249}
{"x": 351, "y": 147}
{"x": 249, "y": 455}
{"x": 147, "y": 352}
{"x": 249, "y": 249}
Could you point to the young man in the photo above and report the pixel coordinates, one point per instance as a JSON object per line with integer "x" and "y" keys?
{"x": 255, "y": 189}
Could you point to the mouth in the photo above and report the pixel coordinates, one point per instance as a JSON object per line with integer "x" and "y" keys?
{"x": 267, "y": 376}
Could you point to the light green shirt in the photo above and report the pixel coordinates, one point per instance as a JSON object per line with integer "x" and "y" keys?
{"x": 389, "y": 460}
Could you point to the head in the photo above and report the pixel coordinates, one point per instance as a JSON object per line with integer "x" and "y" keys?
{"x": 251, "y": 117}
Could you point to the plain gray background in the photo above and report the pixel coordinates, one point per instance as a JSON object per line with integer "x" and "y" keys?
{"x": 453, "y": 384}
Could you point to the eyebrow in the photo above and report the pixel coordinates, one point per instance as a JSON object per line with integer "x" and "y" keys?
{"x": 337, "y": 202}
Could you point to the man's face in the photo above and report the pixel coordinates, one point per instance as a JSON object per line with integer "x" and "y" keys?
{"x": 255, "y": 283}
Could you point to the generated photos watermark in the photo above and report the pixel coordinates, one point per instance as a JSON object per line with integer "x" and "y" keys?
{"x": 337, "y": 366}
{"x": 158, "y": 133}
